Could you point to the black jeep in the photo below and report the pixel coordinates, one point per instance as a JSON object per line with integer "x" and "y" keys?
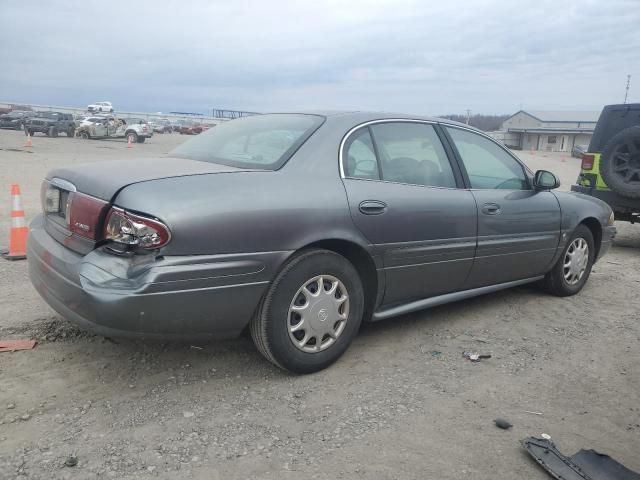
{"x": 611, "y": 166}
{"x": 51, "y": 123}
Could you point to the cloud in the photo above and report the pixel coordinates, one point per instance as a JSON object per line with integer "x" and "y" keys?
{"x": 414, "y": 56}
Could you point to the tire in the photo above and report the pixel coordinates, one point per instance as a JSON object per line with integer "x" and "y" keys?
{"x": 32, "y": 132}
{"x": 85, "y": 135}
{"x": 20, "y": 126}
{"x": 620, "y": 163}
{"x": 270, "y": 325}
{"x": 71, "y": 131}
{"x": 52, "y": 132}
{"x": 141, "y": 139}
{"x": 555, "y": 281}
{"x": 133, "y": 136}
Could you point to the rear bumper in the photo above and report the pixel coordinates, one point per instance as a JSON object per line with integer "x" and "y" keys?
{"x": 205, "y": 297}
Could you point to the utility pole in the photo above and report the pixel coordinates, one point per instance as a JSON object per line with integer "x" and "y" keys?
{"x": 626, "y": 93}
{"x": 468, "y": 115}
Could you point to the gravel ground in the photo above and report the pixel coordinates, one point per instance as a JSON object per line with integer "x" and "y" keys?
{"x": 401, "y": 404}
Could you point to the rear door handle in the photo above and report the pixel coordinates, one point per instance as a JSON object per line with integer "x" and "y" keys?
{"x": 372, "y": 207}
{"x": 491, "y": 209}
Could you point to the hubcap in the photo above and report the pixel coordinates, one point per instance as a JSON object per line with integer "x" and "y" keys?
{"x": 576, "y": 260}
{"x": 318, "y": 313}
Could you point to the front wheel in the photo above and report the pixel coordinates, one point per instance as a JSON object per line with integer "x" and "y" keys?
{"x": 85, "y": 135}
{"x": 311, "y": 312}
{"x": 132, "y": 137}
{"x": 570, "y": 273}
{"x": 141, "y": 139}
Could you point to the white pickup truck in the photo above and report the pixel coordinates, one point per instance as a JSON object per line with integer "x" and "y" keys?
{"x": 136, "y": 129}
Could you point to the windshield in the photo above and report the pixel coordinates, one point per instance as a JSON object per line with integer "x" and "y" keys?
{"x": 262, "y": 141}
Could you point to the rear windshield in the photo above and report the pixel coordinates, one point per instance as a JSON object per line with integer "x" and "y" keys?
{"x": 258, "y": 142}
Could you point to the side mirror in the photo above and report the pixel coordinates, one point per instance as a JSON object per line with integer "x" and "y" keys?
{"x": 544, "y": 180}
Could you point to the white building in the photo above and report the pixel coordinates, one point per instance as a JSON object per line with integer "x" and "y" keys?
{"x": 549, "y": 131}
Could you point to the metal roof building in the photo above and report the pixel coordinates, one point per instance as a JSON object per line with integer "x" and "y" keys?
{"x": 551, "y": 131}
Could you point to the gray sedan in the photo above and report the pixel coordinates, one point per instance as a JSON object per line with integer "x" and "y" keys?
{"x": 299, "y": 227}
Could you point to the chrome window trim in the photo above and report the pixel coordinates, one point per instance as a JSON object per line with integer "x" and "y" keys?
{"x": 63, "y": 184}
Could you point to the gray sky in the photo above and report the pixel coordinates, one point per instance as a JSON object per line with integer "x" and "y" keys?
{"x": 423, "y": 57}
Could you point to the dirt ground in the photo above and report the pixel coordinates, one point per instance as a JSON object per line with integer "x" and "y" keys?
{"x": 401, "y": 404}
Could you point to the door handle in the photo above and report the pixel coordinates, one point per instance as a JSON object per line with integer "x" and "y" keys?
{"x": 372, "y": 207}
{"x": 491, "y": 209}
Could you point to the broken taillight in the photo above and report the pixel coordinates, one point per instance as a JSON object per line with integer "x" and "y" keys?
{"x": 128, "y": 229}
{"x": 587, "y": 161}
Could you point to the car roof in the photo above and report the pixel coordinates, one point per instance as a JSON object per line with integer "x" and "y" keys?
{"x": 358, "y": 117}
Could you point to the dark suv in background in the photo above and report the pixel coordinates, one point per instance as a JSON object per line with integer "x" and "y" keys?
{"x": 15, "y": 119}
{"x": 51, "y": 123}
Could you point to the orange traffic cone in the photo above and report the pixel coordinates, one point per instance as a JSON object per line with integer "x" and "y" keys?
{"x": 129, "y": 142}
{"x": 19, "y": 229}
{"x": 28, "y": 143}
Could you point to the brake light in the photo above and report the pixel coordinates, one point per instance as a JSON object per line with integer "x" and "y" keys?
{"x": 587, "y": 161}
{"x": 128, "y": 229}
{"x": 84, "y": 214}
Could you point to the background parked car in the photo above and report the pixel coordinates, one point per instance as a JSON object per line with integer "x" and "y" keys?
{"x": 578, "y": 150}
{"x": 51, "y": 123}
{"x": 109, "y": 126}
{"x": 16, "y": 119}
{"x": 161, "y": 126}
{"x": 100, "y": 107}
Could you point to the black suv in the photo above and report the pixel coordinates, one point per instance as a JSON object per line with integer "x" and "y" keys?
{"x": 16, "y": 119}
{"x": 611, "y": 166}
{"x": 51, "y": 123}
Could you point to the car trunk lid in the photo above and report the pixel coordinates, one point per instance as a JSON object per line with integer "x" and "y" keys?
{"x": 76, "y": 199}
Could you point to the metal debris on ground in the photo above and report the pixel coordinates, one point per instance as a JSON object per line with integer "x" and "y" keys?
{"x": 533, "y": 413}
{"x": 71, "y": 461}
{"x": 502, "y": 423}
{"x": 475, "y": 357}
{"x": 13, "y": 345}
{"x": 583, "y": 465}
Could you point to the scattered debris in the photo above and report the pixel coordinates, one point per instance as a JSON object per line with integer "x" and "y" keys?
{"x": 502, "y": 423}
{"x": 25, "y": 417}
{"x": 188, "y": 414}
{"x": 533, "y": 413}
{"x": 584, "y": 465}
{"x": 546, "y": 436}
{"x": 13, "y": 345}
{"x": 11, "y": 406}
{"x": 71, "y": 461}
{"x": 196, "y": 348}
{"x": 475, "y": 357}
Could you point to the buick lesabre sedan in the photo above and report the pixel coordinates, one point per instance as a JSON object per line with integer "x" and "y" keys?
{"x": 298, "y": 227}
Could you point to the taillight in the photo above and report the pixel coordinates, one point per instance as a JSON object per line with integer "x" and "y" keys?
{"x": 128, "y": 229}
{"x": 587, "y": 161}
{"x": 84, "y": 214}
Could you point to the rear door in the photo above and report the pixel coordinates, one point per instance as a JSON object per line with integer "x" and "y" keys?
{"x": 404, "y": 196}
{"x": 518, "y": 227}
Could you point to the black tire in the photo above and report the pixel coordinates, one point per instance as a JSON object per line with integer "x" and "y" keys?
{"x": 32, "y": 132}
{"x": 270, "y": 325}
{"x": 20, "y": 126}
{"x": 141, "y": 139}
{"x": 71, "y": 131}
{"x": 555, "y": 281}
{"x": 85, "y": 135}
{"x": 133, "y": 135}
{"x": 52, "y": 132}
{"x": 620, "y": 163}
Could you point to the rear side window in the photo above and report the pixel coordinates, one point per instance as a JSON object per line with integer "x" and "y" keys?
{"x": 488, "y": 165}
{"x": 360, "y": 157}
{"x": 412, "y": 153}
{"x": 263, "y": 142}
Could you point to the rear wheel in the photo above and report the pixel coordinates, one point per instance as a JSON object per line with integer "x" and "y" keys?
{"x": 132, "y": 137}
{"x": 311, "y": 312}
{"x": 620, "y": 163}
{"x": 52, "y": 132}
{"x": 571, "y": 271}
{"x": 141, "y": 139}
{"x": 85, "y": 135}
{"x": 71, "y": 131}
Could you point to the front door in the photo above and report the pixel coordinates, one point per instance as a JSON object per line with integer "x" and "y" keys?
{"x": 518, "y": 227}
{"x": 404, "y": 197}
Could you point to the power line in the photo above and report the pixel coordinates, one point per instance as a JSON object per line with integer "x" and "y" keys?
{"x": 626, "y": 93}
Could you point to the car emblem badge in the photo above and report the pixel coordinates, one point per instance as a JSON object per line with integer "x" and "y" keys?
{"x": 323, "y": 315}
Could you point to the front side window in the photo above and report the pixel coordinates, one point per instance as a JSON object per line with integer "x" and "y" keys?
{"x": 488, "y": 165}
{"x": 257, "y": 142}
{"x": 411, "y": 152}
